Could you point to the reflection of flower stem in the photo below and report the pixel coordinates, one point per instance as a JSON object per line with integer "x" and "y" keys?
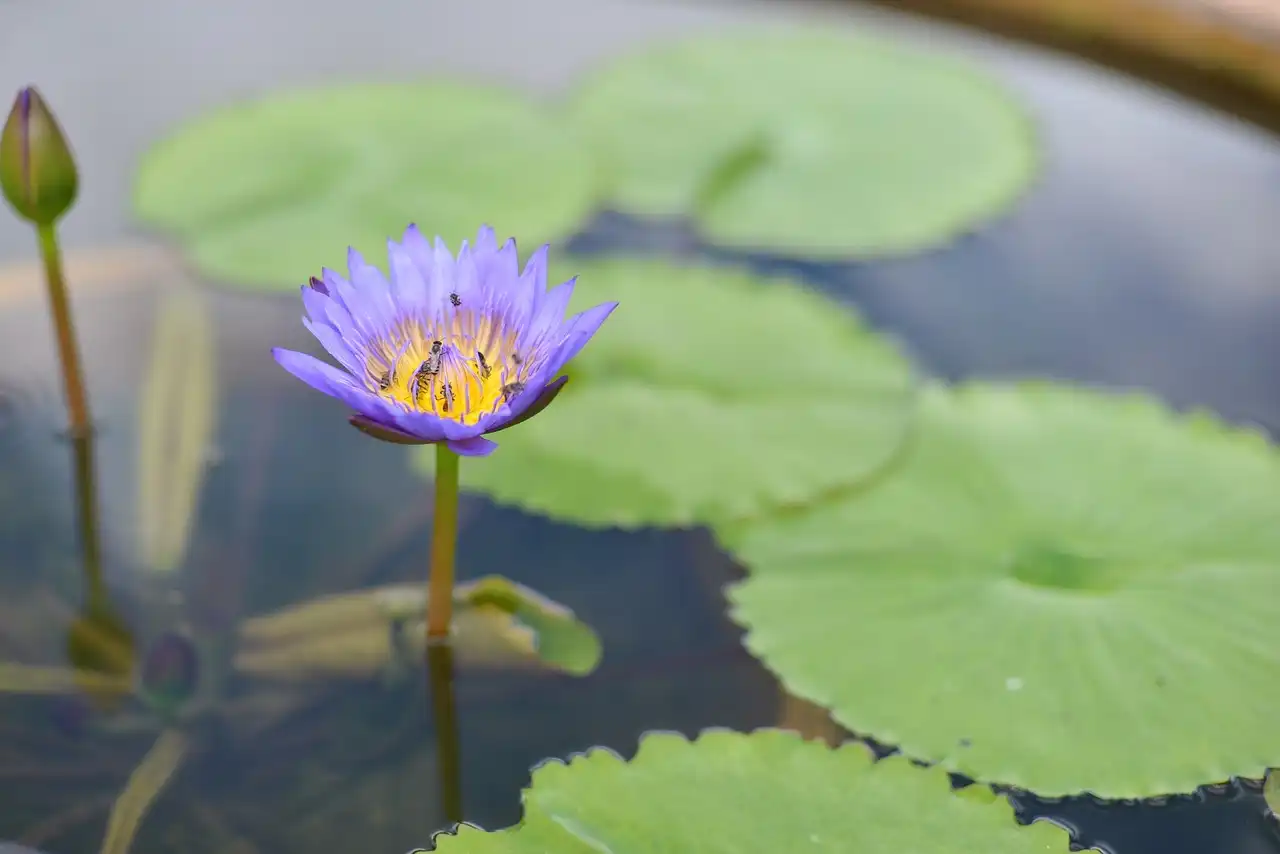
{"x": 60, "y": 305}
{"x": 87, "y": 519}
{"x": 448, "y": 747}
{"x": 444, "y": 541}
{"x": 99, "y": 641}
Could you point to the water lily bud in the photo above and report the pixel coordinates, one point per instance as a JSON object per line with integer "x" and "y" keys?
{"x": 37, "y": 172}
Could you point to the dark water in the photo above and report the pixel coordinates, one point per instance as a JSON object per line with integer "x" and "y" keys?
{"x": 1139, "y": 259}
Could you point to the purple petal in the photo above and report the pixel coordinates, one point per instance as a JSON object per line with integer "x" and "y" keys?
{"x": 499, "y": 271}
{"x": 333, "y": 344}
{"x": 476, "y": 446}
{"x": 550, "y": 307}
{"x": 319, "y": 375}
{"x": 408, "y": 289}
{"x": 547, "y": 319}
{"x": 329, "y": 380}
{"x": 330, "y": 279}
{"x": 438, "y": 273}
{"x": 428, "y": 426}
{"x": 486, "y": 240}
{"x": 385, "y": 433}
{"x": 328, "y": 309}
{"x": 372, "y": 289}
{"x": 316, "y": 303}
{"x": 418, "y": 247}
{"x": 579, "y": 330}
{"x": 541, "y": 402}
{"x": 535, "y": 270}
{"x": 465, "y": 272}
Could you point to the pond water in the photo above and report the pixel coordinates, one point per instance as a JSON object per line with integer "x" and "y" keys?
{"x": 1136, "y": 261}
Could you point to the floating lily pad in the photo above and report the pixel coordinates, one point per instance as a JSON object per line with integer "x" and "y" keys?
{"x": 1058, "y": 589}
{"x": 267, "y": 192}
{"x": 709, "y": 395}
{"x": 768, "y": 791}
{"x": 812, "y": 143}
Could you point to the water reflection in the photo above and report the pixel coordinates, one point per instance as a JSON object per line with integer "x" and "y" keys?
{"x": 277, "y": 754}
{"x": 445, "y": 720}
{"x": 99, "y": 640}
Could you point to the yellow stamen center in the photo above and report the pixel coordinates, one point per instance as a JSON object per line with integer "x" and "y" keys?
{"x": 461, "y": 370}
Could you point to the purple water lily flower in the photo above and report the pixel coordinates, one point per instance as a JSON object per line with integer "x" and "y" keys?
{"x": 448, "y": 349}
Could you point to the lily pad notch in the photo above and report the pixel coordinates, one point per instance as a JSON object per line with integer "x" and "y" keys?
{"x": 814, "y": 144}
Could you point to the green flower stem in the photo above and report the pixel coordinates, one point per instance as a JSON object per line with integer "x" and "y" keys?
{"x": 444, "y": 542}
{"x": 64, "y": 328}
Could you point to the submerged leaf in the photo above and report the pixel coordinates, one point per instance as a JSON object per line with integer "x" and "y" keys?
{"x": 33, "y": 679}
{"x": 559, "y": 639}
{"x": 145, "y": 784}
{"x": 266, "y": 193}
{"x": 497, "y": 624}
{"x": 176, "y": 425}
{"x": 809, "y": 142}
{"x": 767, "y": 791}
{"x": 711, "y": 395}
{"x": 1063, "y": 578}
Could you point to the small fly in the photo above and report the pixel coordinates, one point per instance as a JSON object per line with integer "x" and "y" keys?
{"x": 484, "y": 366}
{"x": 434, "y": 358}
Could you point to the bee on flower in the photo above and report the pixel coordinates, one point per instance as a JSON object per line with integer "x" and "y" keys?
{"x": 447, "y": 349}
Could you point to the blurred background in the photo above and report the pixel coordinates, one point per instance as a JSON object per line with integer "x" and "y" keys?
{"x": 1144, "y": 256}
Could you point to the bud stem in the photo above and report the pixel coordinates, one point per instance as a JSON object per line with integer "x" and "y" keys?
{"x": 444, "y": 541}
{"x": 64, "y": 329}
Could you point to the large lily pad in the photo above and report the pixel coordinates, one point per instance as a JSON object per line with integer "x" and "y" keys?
{"x": 709, "y": 395}
{"x": 768, "y": 791}
{"x": 812, "y": 143}
{"x": 265, "y": 193}
{"x": 1059, "y": 589}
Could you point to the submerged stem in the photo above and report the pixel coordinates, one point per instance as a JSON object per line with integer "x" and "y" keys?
{"x": 64, "y": 329}
{"x": 444, "y": 541}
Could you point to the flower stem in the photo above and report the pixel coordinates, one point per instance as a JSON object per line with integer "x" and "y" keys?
{"x": 444, "y": 541}
{"x": 64, "y": 329}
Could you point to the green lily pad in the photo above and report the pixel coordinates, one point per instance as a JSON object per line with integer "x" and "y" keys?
{"x": 263, "y": 194}
{"x": 768, "y": 791}
{"x": 1058, "y": 589}
{"x": 813, "y": 143}
{"x": 709, "y": 395}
